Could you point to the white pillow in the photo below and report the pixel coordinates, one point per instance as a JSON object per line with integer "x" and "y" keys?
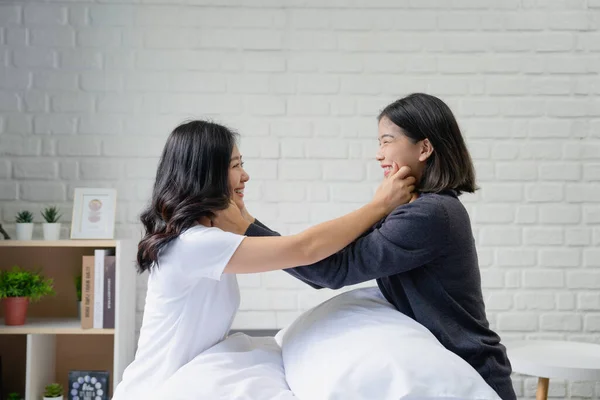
{"x": 357, "y": 346}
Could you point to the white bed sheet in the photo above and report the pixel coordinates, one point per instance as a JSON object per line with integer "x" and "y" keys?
{"x": 239, "y": 368}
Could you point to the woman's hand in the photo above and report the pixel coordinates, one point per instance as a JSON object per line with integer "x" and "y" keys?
{"x": 231, "y": 220}
{"x": 396, "y": 189}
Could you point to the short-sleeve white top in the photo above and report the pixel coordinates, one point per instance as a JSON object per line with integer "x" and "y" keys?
{"x": 190, "y": 306}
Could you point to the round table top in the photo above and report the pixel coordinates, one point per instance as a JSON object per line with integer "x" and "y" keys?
{"x": 555, "y": 359}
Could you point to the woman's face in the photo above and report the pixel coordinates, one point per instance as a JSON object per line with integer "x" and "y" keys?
{"x": 395, "y": 146}
{"x": 237, "y": 177}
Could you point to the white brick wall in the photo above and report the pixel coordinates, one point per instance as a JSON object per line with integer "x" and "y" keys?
{"x": 89, "y": 90}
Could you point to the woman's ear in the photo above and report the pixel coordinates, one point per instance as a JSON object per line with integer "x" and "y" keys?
{"x": 426, "y": 150}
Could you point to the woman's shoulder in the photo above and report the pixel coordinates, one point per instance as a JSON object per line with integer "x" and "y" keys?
{"x": 441, "y": 200}
{"x": 201, "y": 251}
{"x": 432, "y": 209}
{"x": 195, "y": 230}
{"x": 202, "y": 231}
{"x": 200, "y": 237}
{"x": 432, "y": 202}
{"x": 445, "y": 205}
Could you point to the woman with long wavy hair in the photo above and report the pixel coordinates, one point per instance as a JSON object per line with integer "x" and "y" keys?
{"x": 193, "y": 294}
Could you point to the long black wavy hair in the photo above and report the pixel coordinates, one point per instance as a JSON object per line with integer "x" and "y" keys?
{"x": 191, "y": 183}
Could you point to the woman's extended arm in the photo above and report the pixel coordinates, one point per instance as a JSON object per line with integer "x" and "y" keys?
{"x": 260, "y": 254}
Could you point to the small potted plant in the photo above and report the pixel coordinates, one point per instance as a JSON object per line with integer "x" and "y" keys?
{"x": 17, "y": 288}
{"x": 78, "y": 291}
{"x": 51, "y": 227}
{"x": 14, "y": 396}
{"x": 53, "y": 391}
{"x": 24, "y": 222}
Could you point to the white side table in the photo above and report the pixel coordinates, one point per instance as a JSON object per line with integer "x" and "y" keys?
{"x": 554, "y": 359}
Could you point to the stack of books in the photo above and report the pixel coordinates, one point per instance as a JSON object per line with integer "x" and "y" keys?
{"x": 98, "y": 290}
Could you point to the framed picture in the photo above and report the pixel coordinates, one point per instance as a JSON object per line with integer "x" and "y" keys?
{"x": 94, "y": 213}
{"x": 88, "y": 385}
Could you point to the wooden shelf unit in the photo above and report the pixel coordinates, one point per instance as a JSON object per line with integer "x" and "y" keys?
{"x": 52, "y": 341}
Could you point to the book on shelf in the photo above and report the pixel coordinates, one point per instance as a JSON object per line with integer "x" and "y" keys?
{"x": 98, "y": 290}
{"x": 87, "y": 293}
{"x": 110, "y": 275}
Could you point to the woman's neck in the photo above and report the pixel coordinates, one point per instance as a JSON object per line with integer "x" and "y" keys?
{"x": 205, "y": 221}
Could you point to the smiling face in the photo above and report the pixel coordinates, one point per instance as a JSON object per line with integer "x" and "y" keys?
{"x": 395, "y": 146}
{"x": 237, "y": 177}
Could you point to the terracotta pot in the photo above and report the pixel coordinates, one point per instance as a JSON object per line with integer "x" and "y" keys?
{"x": 15, "y": 310}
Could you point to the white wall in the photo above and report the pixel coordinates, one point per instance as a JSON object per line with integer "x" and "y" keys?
{"x": 89, "y": 90}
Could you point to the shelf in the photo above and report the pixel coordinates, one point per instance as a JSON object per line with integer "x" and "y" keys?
{"x": 52, "y": 342}
{"x": 59, "y": 243}
{"x": 52, "y": 326}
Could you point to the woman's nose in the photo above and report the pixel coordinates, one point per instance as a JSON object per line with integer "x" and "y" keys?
{"x": 379, "y": 156}
{"x": 245, "y": 177}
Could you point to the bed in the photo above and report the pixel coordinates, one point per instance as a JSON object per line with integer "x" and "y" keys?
{"x": 355, "y": 346}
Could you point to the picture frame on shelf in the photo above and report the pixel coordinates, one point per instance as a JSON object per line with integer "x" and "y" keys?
{"x": 94, "y": 211}
{"x": 88, "y": 385}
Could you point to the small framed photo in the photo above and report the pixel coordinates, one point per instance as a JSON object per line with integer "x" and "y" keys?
{"x": 92, "y": 385}
{"x": 94, "y": 213}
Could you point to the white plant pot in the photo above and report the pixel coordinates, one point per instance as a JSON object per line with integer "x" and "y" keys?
{"x": 53, "y": 398}
{"x": 51, "y": 231}
{"x": 24, "y": 231}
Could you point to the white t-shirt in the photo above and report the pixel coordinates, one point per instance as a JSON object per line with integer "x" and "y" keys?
{"x": 190, "y": 306}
